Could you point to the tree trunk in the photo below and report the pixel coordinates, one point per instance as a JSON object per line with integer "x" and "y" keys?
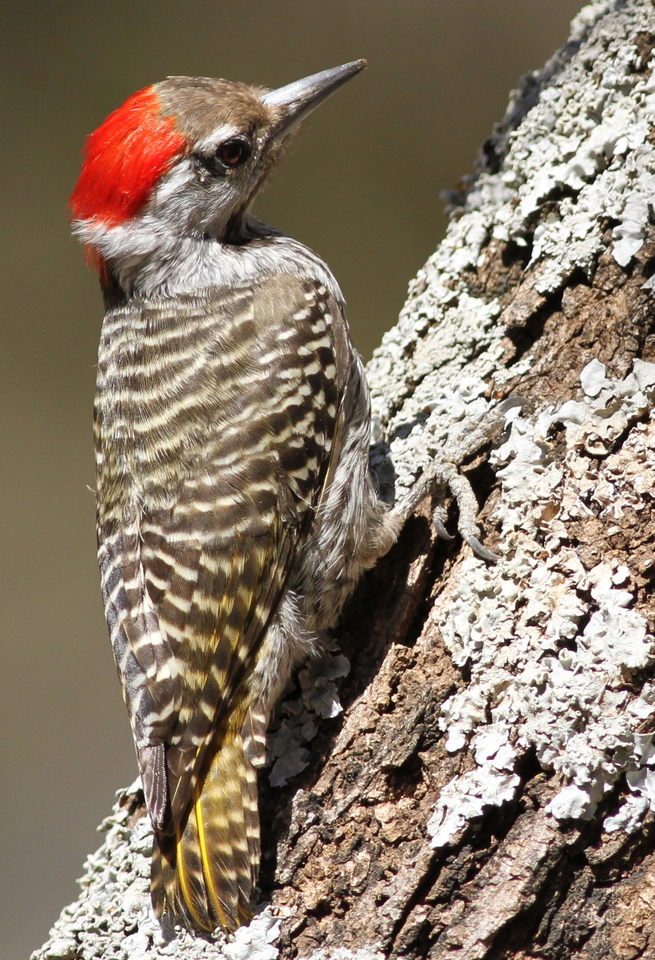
{"x": 486, "y": 790}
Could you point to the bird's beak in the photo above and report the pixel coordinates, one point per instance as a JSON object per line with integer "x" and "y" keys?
{"x": 293, "y": 102}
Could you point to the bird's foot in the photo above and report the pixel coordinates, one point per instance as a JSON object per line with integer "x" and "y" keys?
{"x": 444, "y": 470}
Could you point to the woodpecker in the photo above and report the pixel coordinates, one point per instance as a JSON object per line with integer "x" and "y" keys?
{"x": 235, "y": 510}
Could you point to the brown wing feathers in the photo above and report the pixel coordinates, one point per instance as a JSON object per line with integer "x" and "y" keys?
{"x": 228, "y": 482}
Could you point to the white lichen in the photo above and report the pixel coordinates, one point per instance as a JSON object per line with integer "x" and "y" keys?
{"x": 548, "y": 644}
{"x": 113, "y": 920}
{"x": 297, "y": 724}
{"x": 492, "y": 783}
{"x": 574, "y": 165}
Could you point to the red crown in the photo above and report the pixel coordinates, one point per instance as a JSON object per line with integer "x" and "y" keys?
{"x": 123, "y": 160}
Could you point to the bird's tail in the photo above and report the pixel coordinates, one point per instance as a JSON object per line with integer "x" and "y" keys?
{"x": 205, "y": 873}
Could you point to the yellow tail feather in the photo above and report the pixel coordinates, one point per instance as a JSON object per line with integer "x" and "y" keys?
{"x": 205, "y": 875}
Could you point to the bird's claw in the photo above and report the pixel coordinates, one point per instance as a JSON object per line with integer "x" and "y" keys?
{"x": 481, "y": 551}
{"x": 474, "y": 543}
{"x": 511, "y": 403}
{"x": 440, "y": 529}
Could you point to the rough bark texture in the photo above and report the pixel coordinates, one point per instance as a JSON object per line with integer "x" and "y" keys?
{"x": 487, "y": 790}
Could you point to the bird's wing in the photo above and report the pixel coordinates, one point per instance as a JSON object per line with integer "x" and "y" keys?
{"x": 234, "y": 460}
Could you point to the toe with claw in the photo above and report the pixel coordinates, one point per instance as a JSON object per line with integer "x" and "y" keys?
{"x": 445, "y": 470}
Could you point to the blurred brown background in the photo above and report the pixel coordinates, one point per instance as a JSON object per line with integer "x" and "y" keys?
{"x": 362, "y": 187}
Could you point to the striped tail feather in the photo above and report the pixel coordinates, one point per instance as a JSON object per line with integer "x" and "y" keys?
{"x": 205, "y": 874}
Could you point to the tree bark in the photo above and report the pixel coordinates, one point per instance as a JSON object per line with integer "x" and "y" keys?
{"x": 471, "y": 776}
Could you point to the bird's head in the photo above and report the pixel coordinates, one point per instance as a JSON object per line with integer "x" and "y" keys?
{"x": 185, "y": 158}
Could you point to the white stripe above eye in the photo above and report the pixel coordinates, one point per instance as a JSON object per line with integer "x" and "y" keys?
{"x": 218, "y": 135}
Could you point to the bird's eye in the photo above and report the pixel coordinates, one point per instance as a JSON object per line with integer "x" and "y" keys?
{"x": 233, "y": 152}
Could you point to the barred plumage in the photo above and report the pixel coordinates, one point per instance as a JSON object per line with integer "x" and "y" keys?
{"x": 235, "y": 510}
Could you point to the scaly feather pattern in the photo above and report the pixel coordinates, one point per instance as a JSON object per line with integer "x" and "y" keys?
{"x": 215, "y": 426}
